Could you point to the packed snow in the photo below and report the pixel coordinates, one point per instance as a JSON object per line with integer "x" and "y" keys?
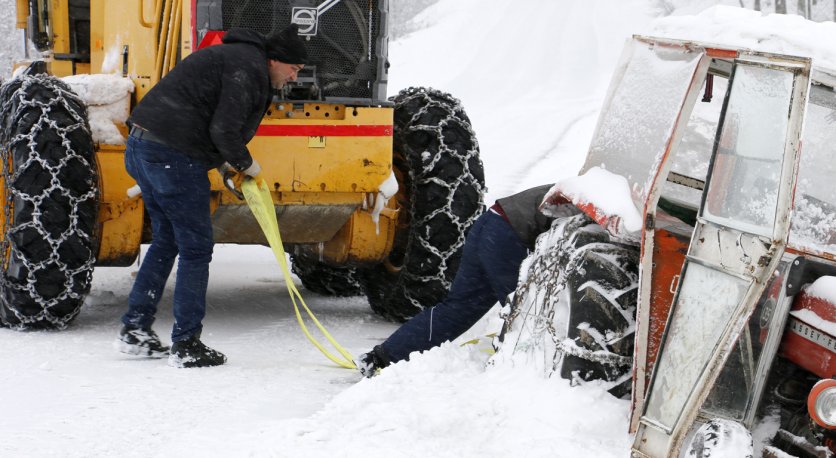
{"x": 108, "y": 99}
{"x": 532, "y": 76}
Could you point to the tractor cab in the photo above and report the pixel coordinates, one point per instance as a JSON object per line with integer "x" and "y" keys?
{"x": 714, "y": 161}
{"x": 701, "y": 270}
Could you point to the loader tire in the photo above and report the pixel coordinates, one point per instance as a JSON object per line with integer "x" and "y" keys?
{"x": 603, "y": 293}
{"x": 50, "y": 203}
{"x": 326, "y": 280}
{"x": 441, "y": 184}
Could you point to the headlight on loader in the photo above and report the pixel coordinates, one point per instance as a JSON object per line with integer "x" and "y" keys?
{"x": 821, "y": 403}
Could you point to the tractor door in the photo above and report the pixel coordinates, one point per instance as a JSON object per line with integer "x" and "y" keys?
{"x": 739, "y": 237}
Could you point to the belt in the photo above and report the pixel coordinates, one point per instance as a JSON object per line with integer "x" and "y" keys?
{"x": 141, "y": 134}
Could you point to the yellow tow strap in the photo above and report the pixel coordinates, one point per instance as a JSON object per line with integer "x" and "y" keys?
{"x": 261, "y": 204}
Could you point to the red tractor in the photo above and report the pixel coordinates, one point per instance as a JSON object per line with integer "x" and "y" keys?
{"x": 709, "y": 294}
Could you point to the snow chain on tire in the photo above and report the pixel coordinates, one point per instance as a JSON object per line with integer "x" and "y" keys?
{"x": 577, "y": 303}
{"x": 50, "y": 189}
{"x": 442, "y": 182}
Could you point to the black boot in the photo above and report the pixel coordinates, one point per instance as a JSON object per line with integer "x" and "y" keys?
{"x": 140, "y": 342}
{"x": 192, "y": 353}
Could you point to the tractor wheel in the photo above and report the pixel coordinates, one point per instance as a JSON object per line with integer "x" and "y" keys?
{"x": 323, "y": 279}
{"x": 720, "y": 437}
{"x": 575, "y": 305}
{"x": 602, "y": 306}
{"x": 441, "y": 183}
{"x": 50, "y": 203}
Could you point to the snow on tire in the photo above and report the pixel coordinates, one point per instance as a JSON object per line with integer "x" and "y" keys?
{"x": 574, "y": 308}
{"x": 323, "y": 279}
{"x": 50, "y": 203}
{"x": 720, "y": 437}
{"x": 441, "y": 182}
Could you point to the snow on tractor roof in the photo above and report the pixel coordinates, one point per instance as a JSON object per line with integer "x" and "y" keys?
{"x": 740, "y": 28}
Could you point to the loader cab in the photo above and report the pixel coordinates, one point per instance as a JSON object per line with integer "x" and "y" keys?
{"x": 350, "y": 57}
{"x": 60, "y": 28}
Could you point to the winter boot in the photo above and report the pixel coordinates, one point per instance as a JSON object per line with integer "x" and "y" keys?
{"x": 370, "y": 363}
{"x": 192, "y": 353}
{"x": 140, "y": 342}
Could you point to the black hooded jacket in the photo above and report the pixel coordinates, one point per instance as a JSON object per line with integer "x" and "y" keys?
{"x": 210, "y": 105}
{"x": 523, "y": 212}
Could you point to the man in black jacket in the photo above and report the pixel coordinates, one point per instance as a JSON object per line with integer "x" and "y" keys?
{"x": 200, "y": 116}
{"x": 494, "y": 249}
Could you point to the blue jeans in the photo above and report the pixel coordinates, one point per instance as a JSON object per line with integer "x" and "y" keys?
{"x": 175, "y": 190}
{"x": 488, "y": 272}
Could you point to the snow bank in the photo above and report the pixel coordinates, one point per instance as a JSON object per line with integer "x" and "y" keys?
{"x": 108, "y": 103}
{"x": 445, "y": 403}
{"x": 777, "y": 33}
{"x": 530, "y": 74}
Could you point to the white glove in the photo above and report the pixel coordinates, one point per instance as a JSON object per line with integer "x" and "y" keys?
{"x": 253, "y": 170}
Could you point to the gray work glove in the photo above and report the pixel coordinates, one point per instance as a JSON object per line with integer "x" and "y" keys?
{"x": 253, "y": 170}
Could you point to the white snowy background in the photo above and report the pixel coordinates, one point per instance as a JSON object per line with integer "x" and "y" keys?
{"x": 531, "y": 75}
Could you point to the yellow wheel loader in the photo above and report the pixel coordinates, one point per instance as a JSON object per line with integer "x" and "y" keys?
{"x": 331, "y": 147}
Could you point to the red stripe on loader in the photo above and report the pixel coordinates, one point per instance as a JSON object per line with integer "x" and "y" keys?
{"x": 324, "y": 131}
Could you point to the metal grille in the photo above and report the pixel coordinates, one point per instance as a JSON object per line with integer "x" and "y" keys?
{"x": 344, "y": 49}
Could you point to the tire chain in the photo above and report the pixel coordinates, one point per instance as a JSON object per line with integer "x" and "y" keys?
{"x": 564, "y": 257}
{"x": 424, "y": 175}
{"x": 77, "y": 279}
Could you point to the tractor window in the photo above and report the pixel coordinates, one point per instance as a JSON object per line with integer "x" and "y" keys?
{"x": 682, "y": 192}
{"x": 744, "y": 183}
{"x": 640, "y": 113}
{"x": 814, "y": 217}
{"x": 732, "y": 391}
{"x": 705, "y": 302}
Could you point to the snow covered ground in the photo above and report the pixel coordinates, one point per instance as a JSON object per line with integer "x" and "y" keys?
{"x": 531, "y": 75}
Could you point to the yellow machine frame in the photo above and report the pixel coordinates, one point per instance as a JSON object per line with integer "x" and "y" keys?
{"x": 326, "y": 162}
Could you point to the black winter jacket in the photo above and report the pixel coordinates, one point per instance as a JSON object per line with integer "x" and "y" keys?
{"x": 522, "y": 210}
{"x": 210, "y": 105}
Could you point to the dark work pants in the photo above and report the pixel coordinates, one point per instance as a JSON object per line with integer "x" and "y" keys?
{"x": 488, "y": 272}
{"x": 175, "y": 190}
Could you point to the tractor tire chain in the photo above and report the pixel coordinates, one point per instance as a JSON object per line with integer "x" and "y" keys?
{"x": 574, "y": 245}
{"x": 437, "y": 151}
{"x": 51, "y": 203}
